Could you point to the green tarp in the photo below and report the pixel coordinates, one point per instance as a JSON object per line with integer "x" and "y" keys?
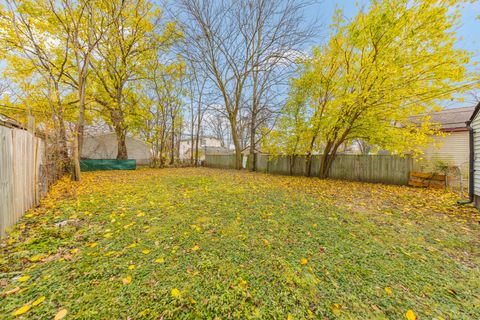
{"x": 107, "y": 164}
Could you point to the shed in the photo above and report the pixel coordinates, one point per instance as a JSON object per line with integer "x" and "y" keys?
{"x": 104, "y": 146}
{"x": 474, "y": 156}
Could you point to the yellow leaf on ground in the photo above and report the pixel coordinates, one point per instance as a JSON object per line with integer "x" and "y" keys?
{"x": 61, "y": 314}
{"x": 336, "y": 309}
{"x": 146, "y": 251}
{"x": 36, "y": 258}
{"x": 160, "y": 260}
{"x": 127, "y": 280}
{"x": 175, "y": 293}
{"x": 23, "y": 279}
{"x": 195, "y": 247}
{"x": 133, "y": 245}
{"x": 389, "y": 291}
{"x": 243, "y": 283}
{"x": 38, "y": 301}
{"x": 303, "y": 261}
{"x": 131, "y": 267}
{"x": 21, "y": 310}
{"x": 410, "y": 315}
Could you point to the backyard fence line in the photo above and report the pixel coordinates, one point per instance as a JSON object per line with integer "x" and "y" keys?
{"x": 22, "y": 177}
{"x": 388, "y": 169}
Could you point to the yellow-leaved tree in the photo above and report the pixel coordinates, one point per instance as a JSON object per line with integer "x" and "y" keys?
{"x": 375, "y": 79}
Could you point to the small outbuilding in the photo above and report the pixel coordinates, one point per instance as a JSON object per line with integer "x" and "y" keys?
{"x": 104, "y": 146}
{"x": 474, "y": 156}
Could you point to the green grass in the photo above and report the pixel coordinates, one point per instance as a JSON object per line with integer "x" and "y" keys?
{"x": 242, "y": 245}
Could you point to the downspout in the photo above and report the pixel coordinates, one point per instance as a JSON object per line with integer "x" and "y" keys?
{"x": 471, "y": 166}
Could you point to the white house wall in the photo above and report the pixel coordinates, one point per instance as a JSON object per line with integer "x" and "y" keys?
{"x": 452, "y": 149}
{"x": 476, "y": 147}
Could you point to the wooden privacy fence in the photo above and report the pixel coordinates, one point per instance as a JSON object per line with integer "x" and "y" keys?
{"x": 368, "y": 168}
{"x": 22, "y": 180}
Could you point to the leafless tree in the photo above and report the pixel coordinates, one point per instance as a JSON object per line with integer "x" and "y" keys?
{"x": 245, "y": 48}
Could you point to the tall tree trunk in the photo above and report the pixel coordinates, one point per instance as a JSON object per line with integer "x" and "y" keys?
{"x": 253, "y": 131}
{"x": 308, "y": 157}
{"x": 78, "y": 139}
{"x": 236, "y": 143}
{"x": 172, "y": 151}
{"x": 326, "y": 162}
{"x": 308, "y": 164}
{"x": 120, "y": 132}
{"x": 197, "y": 139}
{"x": 192, "y": 135}
{"x": 292, "y": 163}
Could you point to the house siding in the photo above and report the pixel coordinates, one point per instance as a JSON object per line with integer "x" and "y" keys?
{"x": 452, "y": 149}
{"x": 476, "y": 147}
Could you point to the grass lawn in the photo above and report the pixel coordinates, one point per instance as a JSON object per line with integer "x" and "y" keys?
{"x": 201, "y": 243}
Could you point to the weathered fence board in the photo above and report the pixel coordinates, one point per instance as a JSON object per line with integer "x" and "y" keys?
{"x": 369, "y": 168}
{"x": 21, "y": 159}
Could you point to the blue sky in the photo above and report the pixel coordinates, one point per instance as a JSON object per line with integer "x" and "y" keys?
{"x": 468, "y": 32}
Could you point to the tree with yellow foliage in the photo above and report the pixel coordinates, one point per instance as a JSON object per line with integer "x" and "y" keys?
{"x": 374, "y": 79}
{"x": 136, "y": 35}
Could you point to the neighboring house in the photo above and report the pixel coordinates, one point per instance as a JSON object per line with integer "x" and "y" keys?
{"x": 451, "y": 149}
{"x": 104, "y": 146}
{"x": 474, "y": 156}
{"x": 206, "y": 144}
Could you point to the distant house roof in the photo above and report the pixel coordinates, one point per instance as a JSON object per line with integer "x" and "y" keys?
{"x": 452, "y": 120}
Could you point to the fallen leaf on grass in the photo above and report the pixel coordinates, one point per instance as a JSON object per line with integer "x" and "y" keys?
{"x": 127, "y": 280}
{"x": 410, "y": 315}
{"x": 388, "y": 291}
{"x": 23, "y": 278}
{"x": 8, "y": 292}
{"x": 303, "y": 261}
{"x": 160, "y": 260}
{"x": 22, "y": 310}
{"x": 38, "y": 301}
{"x": 36, "y": 258}
{"x": 61, "y": 314}
{"x": 336, "y": 308}
{"x": 175, "y": 293}
{"x": 146, "y": 251}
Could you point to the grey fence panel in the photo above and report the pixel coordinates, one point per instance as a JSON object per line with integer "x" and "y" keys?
{"x": 224, "y": 161}
{"x": 369, "y": 168}
{"x": 372, "y": 168}
{"x": 262, "y": 162}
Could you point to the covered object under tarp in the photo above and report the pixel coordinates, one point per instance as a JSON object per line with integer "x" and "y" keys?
{"x": 104, "y": 146}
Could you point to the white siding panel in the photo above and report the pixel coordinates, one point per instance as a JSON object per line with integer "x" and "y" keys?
{"x": 476, "y": 147}
{"x": 453, "y": 149}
